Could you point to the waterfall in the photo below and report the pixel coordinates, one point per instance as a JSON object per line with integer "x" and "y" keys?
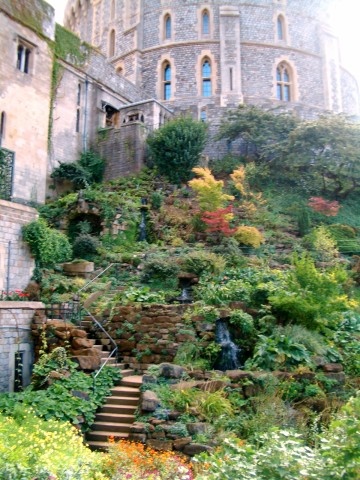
{"x": 185, "y": 297}
{"x": 142, "y": 227}
{"x": 229, "y": 356}
{"x": 142, "y": 233}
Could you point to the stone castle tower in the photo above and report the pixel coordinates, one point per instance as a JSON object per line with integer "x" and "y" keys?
{"x": 199, "y": 56}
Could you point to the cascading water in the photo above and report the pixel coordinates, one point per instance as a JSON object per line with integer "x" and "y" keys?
{"x": 184, "y": 297}
{"x": 229, "y": 355}
{"x": 142, "y": 226}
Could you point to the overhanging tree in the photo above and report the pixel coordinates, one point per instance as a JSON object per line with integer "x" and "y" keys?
{"x": 328, "y": 150}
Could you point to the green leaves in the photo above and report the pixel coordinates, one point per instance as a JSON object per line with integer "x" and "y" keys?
{"x": 176, "y": 147}
{"x": 47, "y": 245}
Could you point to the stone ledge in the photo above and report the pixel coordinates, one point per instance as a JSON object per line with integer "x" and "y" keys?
{"x": 13, "y": 305}
{"x": 18, "y": 206}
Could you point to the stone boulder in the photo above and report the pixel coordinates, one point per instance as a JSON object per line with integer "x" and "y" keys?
{"x": 149, "y": 401}
{"x": 169, "y": 370}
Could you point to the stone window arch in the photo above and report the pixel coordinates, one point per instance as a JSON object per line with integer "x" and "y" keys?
{"x": 112, "y": 10}
{"x": 166, "y": 80}
{"x": 112, "y": 43}
{"x": 205, "y": 22}
{"x": 281, "y": 28}
{"x": 285, "y": 90}
{"x": 167, "y": 27}
{"x": 206, "y": 77}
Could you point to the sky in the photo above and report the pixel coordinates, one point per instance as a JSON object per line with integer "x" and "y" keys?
{"x": 346, "y": 21}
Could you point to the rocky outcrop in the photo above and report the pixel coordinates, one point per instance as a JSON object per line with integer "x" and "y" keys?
{"x": 59, "y": 333}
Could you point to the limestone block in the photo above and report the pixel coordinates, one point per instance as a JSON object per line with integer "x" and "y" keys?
{"x": 195, "y": 448}
{"x": 87, "y": 352}
{"x": 333, "y": 367}
{"x": 79, "y": 343}
{"x": 76, "y": 332}
{"x": 87, "y": 363}
{"x": 149, "y": 401}
{"x": 180, "y": 443}
{"x": 169, "y": 370}
{"x": 163, "y": 445}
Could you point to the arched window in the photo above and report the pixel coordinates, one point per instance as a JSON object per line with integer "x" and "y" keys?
{"x": 167, "y": 81}
{"x": 280, "y": 26}
{"x": 112, "y": 10}
{"x": 283, "y": 83}
{"x": 112, "y": 43}
{"x": 205, "y": 20}
{"x": 203, "y": 115}
{"x": 2, "y": 126}
{"x": 206, "y": 78}
{"x": 167, "y": 25}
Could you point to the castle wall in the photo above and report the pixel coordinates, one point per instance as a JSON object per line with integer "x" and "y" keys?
{"x": 16, "y": 345}
{"x": 15, "y": 258}
{"x": 25, "y": 80}
{"x": 242, "y": 44}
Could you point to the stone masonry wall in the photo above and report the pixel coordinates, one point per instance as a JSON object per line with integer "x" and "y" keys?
{"x": 25, "y": 97}
{"x": 12, "y": 217}
{"x": 15, "y": 339}
{"x": 152, "y": 334}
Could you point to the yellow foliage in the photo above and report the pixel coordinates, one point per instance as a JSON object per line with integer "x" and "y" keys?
{"x": 238, "y": 177}
{"x": 209, "y": 190}
{"x": 249, "y": 236}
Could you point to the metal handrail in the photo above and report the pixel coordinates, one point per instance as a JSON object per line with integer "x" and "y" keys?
{"x": 95, "y": 278}
{"x": 98, "y": 324}
{"x": 113, "y": 352}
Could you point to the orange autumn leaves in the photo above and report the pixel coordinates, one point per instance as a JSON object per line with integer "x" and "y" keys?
{"x": 135, "y": 461}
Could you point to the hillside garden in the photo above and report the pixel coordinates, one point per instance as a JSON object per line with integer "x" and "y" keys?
{"x": 270, "y": 234}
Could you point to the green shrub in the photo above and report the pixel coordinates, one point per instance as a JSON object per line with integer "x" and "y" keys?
{"x": 85, "y": 246}
{"x": 345, "y": 238}
{"x": 321, "y": 243}
{"x": 175, "y": 148}
{"x": 201, "y": 262}
{"x": 159, "y": 268}
{"x": 82, "y": 173}
{"x": 46, "y": 244}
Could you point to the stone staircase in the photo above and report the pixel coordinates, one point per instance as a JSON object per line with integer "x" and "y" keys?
{"x": 116, "y": 416}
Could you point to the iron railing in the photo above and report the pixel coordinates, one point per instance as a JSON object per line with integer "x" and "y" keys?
{"x": 114, "y": 352}
{"x": 7, "y": 160}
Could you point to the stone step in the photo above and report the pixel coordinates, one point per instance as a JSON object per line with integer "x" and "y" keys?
{"x": 114, "y": 418}
{"x": 111, "y": 427}
{"x": 132, "y": 381}
{"x": 122, "y": 401}
{"x": 119, "y": 408}
{"x": 103, "y": 436}
{"x": 98, "y": 446}
{"x": 125, "y": 391}
{"x": 126, "y": 373}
